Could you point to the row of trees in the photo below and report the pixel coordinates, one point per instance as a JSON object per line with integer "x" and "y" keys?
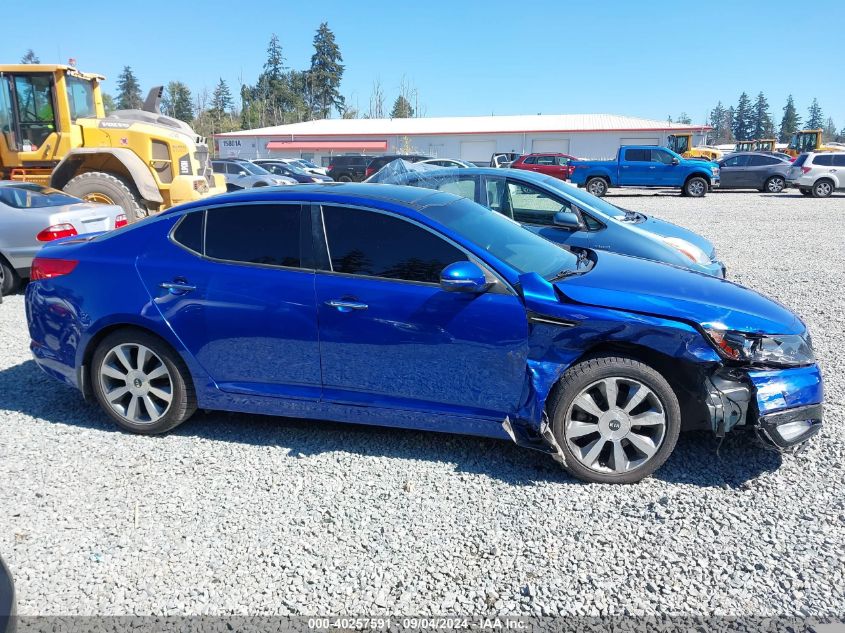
{"x": 285, "y": 95}
{"x": 754, "y": 120}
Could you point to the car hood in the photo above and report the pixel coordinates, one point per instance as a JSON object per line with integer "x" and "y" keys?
{"x": 667, "y": 229}
{"x": 641, "y": 285}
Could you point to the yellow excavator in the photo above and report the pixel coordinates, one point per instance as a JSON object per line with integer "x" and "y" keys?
{"x": 682, "y": 144}
{"x": 810, "y": 141}
{"x": 54, "y": 131}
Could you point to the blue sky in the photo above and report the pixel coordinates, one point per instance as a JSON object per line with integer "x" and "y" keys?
{"x": 650, "y": 58}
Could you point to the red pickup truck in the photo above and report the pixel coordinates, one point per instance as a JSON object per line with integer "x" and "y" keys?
{"x": 557, "y": 165}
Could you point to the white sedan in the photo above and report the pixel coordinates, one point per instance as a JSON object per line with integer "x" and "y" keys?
{"x": 31, "y": 215}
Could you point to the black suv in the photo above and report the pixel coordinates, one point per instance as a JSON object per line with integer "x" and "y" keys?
{"x": 380, "y": 161}
{"x": 348, "y": 167}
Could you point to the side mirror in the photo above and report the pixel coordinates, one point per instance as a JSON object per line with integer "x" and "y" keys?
{"x": 675, "y": 161}
{"x": 464, "y": 277}
{"x": 567, "y": 220}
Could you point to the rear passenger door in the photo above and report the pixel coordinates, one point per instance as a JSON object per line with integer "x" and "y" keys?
{"x": 236, "y": 285}
{"x": 759, "y": 169}
{"x": 635, "y": 168}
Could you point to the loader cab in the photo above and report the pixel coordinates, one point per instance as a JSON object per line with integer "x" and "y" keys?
{"x": 38, "y": 105}
{"x": 805, "y": 141}
{"x": 680, "y": 143}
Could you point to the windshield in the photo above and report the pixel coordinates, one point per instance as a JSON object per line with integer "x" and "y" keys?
{"x": 306, "y": 163}
{"x": 80, "y": 96}
{"x": 295, "y": 168}
{"x": 600, "y": 205}
{"x": 254, "y": 169}
{"x": 504, "y": 239}
{"x": 30, "y": 196}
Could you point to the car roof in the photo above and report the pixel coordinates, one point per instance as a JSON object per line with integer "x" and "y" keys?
{"x": 415, "y": 198}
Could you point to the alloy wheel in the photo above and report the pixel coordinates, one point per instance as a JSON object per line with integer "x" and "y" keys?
{"x": 823, "y": 189}
{"x": 696, "y": 188}
{"x": 136, "y": 383}
{"x": 776, "y": 185}
{"x": 615, "y": 425}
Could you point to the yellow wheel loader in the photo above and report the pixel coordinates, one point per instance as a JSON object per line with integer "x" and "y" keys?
{"x": 765, "y": 145}
{"x": 682, "y": 144}
{"x": 54, "y": 131}
{"x": 744, "y": 146}
{"x": 809, "y": 141}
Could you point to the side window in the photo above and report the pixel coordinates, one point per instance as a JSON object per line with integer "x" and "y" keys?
{"x": 35, "y": 109}
{"x": 379, "y": 245}
{"x": 6, "y": 117}
{"x": 638, "y": 155}
{"x": 219, "y": 168}
{"x": 190, "y": 231}
{"x": 463, "y": 186}
{"x": 533, "y": 206}
{"x": 590, "y": 222}
{"x": 563, "y": 161}
{"x": 531, "y": 160}
{"x": 736, "y": 161}
{"x": 825, "y": 160}
{"x": 760, "y": 161}
{"x": 839, "y": 160}
{"x": 498, "y": 198}
{"x": 254, "y": 234}
{"x": 659, "y": 156}
{"x": 546, "y": 160}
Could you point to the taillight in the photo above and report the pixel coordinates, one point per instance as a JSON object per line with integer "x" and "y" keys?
{"x": 55, "y": 232}
{"x": 805, "y": 170}
{"x": 119, "y": 221}
{"x": 369, "y": 172}
{"x": 44, "y": 268}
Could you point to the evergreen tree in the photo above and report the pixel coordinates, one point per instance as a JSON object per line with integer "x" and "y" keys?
{"x": 684, "y": 119}
{"x": 743, "y": 123}
{"x": 717, "y": 121}
{"x": 30, "y": 57}
{"x": 829, "y": 133}
{"x": 815, "y": 116}
{"x": 730, "y": 116}
{"x": 221, "y": 99}
{"x": 274, "y": 67}
{"x": 790, "y": 122}
{"x": 763, "y": 126}
{"x": 177, "y": 102}
{"x": 129, "y": 95}
{"x": 108, "y": 104}
{"x": 402, "y": 108}
{"x": 324, "y": 76}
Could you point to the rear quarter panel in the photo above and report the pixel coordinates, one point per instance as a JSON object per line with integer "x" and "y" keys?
{"x": 584, "y": 170}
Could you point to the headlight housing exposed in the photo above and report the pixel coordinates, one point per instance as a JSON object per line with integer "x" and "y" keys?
{"x": 689, "y": 249}
{"x": 782, "y": 350}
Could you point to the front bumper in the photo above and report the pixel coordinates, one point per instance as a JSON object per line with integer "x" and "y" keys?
{"x": 783, "y": 406}
{"x": 715, "y": 182}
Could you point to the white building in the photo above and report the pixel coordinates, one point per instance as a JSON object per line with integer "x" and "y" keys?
{"x": 469, "y": 138}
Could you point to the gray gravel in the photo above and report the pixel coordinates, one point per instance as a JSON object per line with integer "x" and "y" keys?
{"x": 255, "y": 515}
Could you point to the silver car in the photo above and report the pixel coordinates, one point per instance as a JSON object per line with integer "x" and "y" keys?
{"x": 242, "y": 174}
{"x": 31, "y": 215}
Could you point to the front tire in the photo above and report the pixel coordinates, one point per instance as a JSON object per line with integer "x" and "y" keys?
{"x": 805, "y": 192}
{"x": 695, "y": 187}
{"x": 597, "y": 186}
{"x": 141, "y": 383}
{"x": 775, "y": 184}
{"x": 98, "y": 186}
{"x": 616, "y": 419}
{"x": 823, "y": 188}
{"x": 344, "y": 178}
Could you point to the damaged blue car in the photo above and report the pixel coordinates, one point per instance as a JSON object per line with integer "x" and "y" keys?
{"x": 407, "y": 307}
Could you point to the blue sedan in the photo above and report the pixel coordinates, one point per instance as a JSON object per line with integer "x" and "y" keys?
{"x": 403, "y": 306}
{"x": 571, "y": 216}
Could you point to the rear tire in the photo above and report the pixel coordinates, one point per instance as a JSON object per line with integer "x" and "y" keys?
{"x": 695, "y": 187}
{"x": 98, "y": 186}
{"x": 775, "y": 184}
{"x": 9, "y": 280}
{"x": 607, "y": 442}
{"x": 597, "y": 186}
{"x": 141, "y": 383}
{"x": 823, "y": 188}
{"x": 344, "y": 178}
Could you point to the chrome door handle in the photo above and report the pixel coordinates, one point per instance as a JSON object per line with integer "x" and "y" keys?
{"x": 346, "y": 306}
{"x": 177, "y": 288}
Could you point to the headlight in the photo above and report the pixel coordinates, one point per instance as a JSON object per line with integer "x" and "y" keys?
{"x": 715, "y": 171}
{"x": 689, "y": 249}
{"x": 764, "y": 349}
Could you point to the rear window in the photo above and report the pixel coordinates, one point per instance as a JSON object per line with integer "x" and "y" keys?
{"x": 189, "y": 233}
{"x": 254, "y": 234}
{"x": 32, "y": 196}
{"x": 638, "y": 155}
{"x": 825, "y": 160}
{"x": 800, "y": 160}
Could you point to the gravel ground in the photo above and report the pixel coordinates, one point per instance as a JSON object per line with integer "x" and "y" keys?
{"x": 254, "y": 515}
